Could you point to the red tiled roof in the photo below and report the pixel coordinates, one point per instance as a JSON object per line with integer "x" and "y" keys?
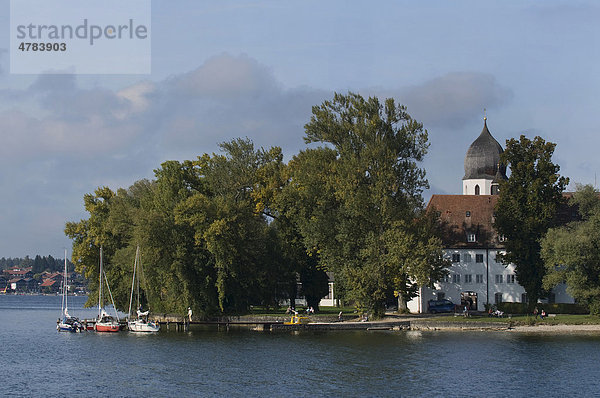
{"x": 48, "y": 283}
{"x": 16, "y": 271}
{"x": 457, "y": 223}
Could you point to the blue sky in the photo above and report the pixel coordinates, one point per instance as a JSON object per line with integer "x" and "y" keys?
{"x": 230, "y": 69}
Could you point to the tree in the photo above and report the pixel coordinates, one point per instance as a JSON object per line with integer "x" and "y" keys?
{"x": 360, "y": 193}
{"x": 527, "y": 206}
{"x": 571, "y": 254}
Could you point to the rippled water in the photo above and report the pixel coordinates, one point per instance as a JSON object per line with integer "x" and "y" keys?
{"x": 39, "y": 361}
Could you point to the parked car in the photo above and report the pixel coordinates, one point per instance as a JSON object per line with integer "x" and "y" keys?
{"x": 443, "y": 305}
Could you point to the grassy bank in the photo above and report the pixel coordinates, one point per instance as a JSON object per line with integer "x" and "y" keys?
{"x": 524, "y": 320}
{"x": 323, "y": 311}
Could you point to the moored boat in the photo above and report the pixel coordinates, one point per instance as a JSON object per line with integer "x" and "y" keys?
{"x": 105, "y": 322}
{"x": 141, "y": 324}
{"x": 67, "y": 323}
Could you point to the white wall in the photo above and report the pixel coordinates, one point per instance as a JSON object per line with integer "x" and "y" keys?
{"x": 489, "y": 268}
{"x": 485, "y": 187}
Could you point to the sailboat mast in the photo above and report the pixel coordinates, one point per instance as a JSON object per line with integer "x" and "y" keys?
{"x": 133, "y": 280}
{"x": 139, "y": 256}
{"x": 100, "y": 288}
{"x": 65, "y": 293}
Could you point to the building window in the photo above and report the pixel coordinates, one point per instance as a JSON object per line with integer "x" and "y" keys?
{"x": 468, "y": 278}
{"x": 499, "y": 278}
{"x": 468, "y": 213}
{"x": 524, "y": 298}
{"x": 498, "y": 298}
{"x": 456, "y": 257}
{"x": 510, "y": 278}
{"x": 479, "y": 278}
{"x": 467, "y": 258}
{"x": 479, "y": 258}
{"x": 501, "y": 238}
{"x": 456, "y": 278}
{"x": 495, "y": 189}
{"x": 446, "y": 278}
{"x": 477, "y": 189}
{"x": 470, "y": 237}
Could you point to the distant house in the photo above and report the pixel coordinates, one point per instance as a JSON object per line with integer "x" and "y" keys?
{"x": 18, "y": 273}
{"x": 50, "y": 286}
{"x": 17, "y": 284}
{"x": 31, "y": 285}
{"x": 23, "y": 285}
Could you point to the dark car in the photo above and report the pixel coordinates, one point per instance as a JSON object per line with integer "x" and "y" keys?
{"x": 443, "y": 305}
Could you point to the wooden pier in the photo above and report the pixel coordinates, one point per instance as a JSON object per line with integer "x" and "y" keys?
{"x": 180, "y": 324}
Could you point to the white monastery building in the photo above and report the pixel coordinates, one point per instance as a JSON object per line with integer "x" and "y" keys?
{"x": 476, "y": 278}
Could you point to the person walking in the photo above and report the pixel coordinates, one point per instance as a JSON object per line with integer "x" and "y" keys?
{"x": 190, "y": 313}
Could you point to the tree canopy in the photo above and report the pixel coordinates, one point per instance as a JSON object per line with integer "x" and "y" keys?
{"x": 527, "y": 206}
{"x": 357, "y": 199}
{"x": 571, "y": 254}
{"x": 227, "y": 231}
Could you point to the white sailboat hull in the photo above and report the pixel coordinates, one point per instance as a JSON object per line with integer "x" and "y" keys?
{"x": 142, "y": 326}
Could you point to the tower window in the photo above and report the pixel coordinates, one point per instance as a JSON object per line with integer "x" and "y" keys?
{"x": 471, "y": 237}
{"x": 468, "y": 213}
{"x": 477, "y": 189}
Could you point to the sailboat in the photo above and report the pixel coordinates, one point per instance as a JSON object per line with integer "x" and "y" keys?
{"x": 68, "y": 323}
{"x": 105, "y": 322}
{"x": 141, "y": 324}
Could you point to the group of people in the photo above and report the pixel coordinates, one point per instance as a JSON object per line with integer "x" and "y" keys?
{"x": 291, "y": 310}
{"x": 493, "y": 311}
{"x": 542, "y": 314}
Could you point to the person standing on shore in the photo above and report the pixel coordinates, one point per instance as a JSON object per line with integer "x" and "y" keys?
{"x": 190, "y": 313}
{"x": 535, "y": 312}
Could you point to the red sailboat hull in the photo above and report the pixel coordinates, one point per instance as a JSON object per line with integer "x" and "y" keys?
{"x": 107, "y": 328}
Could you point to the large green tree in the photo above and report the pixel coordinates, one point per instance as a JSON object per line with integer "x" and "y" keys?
{"x": 204, "y": 243}
{"x": 528, "y": 205}
{"x": 571, "y": 253}
{"x": 358, "y": 195}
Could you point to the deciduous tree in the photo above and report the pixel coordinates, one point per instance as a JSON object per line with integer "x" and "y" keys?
{"x": 528, "y": 205}
{"x": 571, "y": 254}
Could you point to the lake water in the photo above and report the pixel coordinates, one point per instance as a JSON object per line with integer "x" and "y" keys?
{"x": 39, "y": 361}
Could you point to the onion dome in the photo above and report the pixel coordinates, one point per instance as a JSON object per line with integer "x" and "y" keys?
{"x": 483, "y": 158}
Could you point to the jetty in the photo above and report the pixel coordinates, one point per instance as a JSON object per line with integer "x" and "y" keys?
{"x": 281, "y": 323}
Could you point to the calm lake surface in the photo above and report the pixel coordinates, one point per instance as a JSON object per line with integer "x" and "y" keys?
{"x": 39, "y": 361}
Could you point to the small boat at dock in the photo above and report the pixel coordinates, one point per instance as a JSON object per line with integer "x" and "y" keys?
{"x": 67, "y": 323}
{"x": 141, "y": 323}
{"x": 105, "y": 322}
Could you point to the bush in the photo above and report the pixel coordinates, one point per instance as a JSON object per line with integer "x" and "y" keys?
{"x": 556, "y": 308}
